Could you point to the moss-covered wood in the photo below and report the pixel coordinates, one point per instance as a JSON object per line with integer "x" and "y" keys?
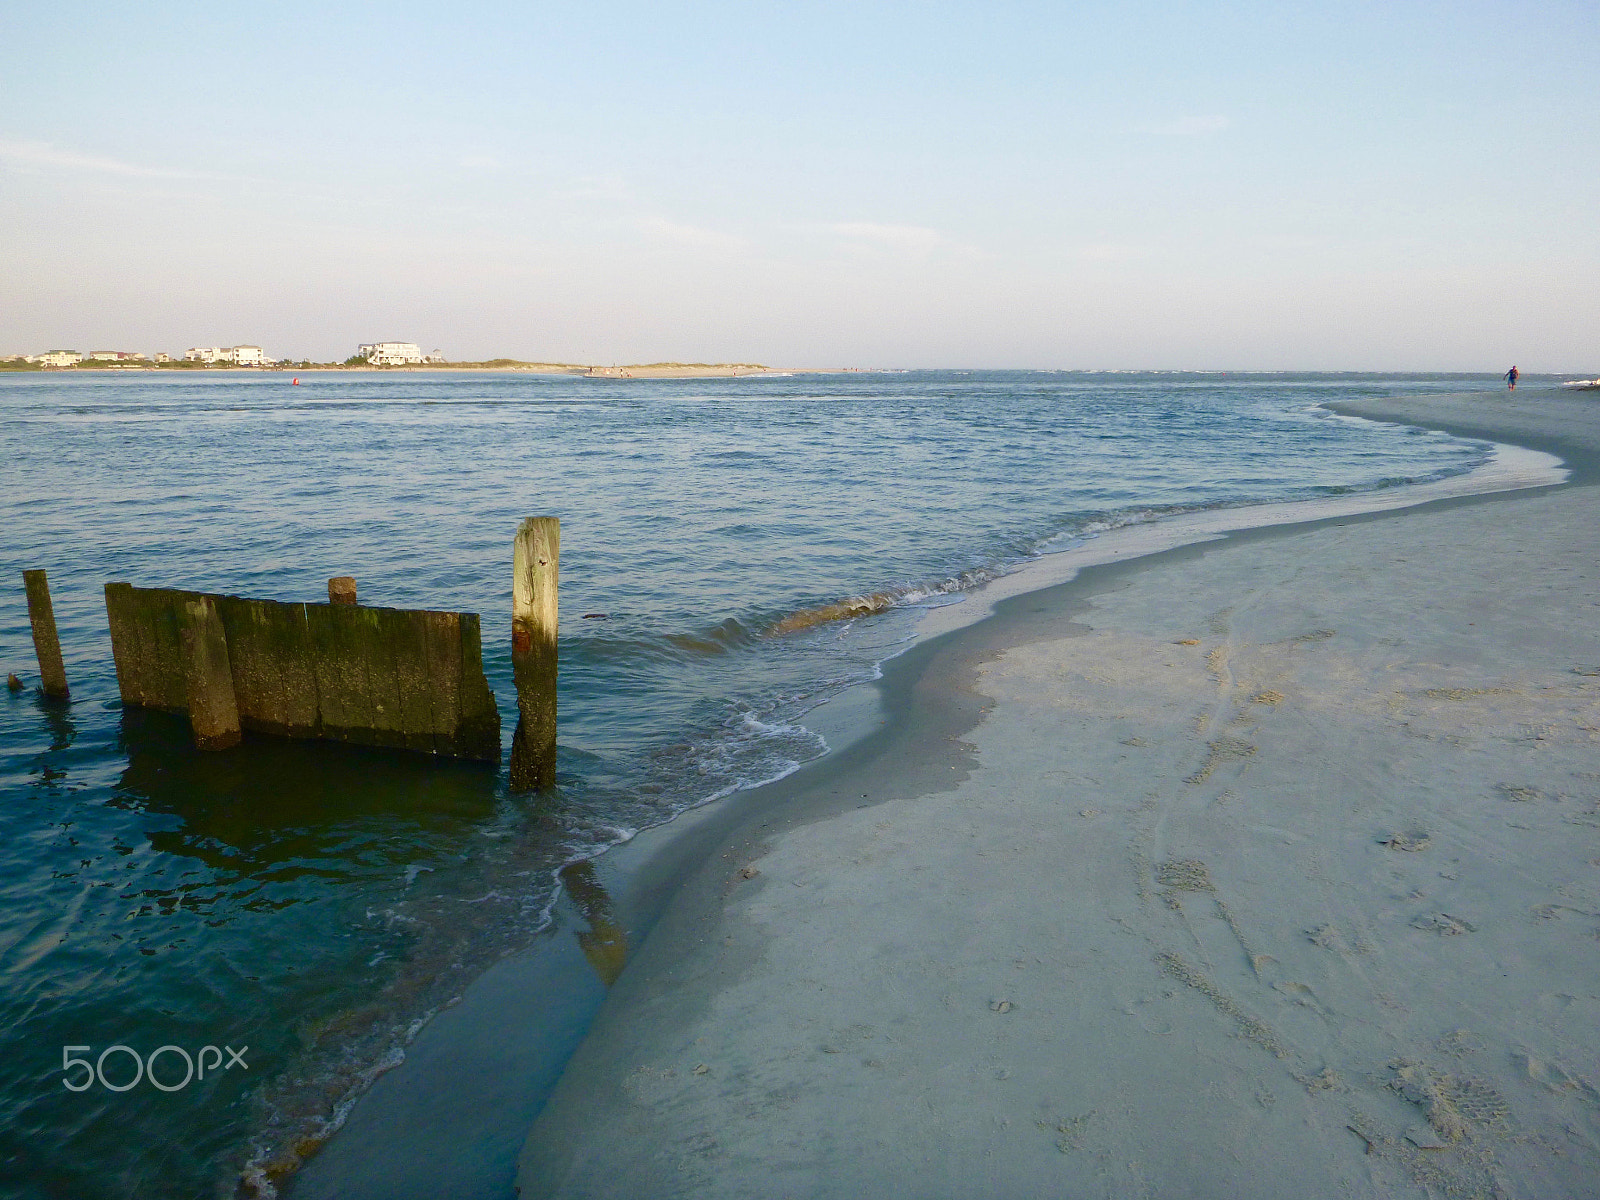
{"x": 46, "y": 643}
{"x": 208, "y": 680}
{"x": 388, "y": 677}
{"x": 536, "y": 573}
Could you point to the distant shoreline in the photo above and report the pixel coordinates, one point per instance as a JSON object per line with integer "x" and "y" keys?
{"x": 629, "y": 371}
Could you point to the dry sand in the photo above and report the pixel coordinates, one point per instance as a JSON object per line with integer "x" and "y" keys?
{"x": 1264, "y": 867}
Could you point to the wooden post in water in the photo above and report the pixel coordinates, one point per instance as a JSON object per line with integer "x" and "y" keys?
{"x": 52, "y": 671}
{"x": 342, "y": 590}
{"x": 208, "y": 676}
{"x": 536, "y": 562}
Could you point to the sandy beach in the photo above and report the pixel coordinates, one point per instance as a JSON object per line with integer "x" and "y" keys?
{"x": 1263, "y": 866}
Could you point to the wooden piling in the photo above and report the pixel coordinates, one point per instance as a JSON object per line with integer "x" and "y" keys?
{"x": 52, "y": 671}
{"x": 207, "y": 676}
{"x": 342, "y": 590}
{"x": 536, "y": 562}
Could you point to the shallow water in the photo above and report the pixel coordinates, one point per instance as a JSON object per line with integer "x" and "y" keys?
{"x": 314, "y": 903}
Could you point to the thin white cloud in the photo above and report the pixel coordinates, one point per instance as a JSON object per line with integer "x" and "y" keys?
{"x": 659, "y": 229}
{"x": 1109, "y": 252}
{"x": 902, "y": 237}
{"x": 1190, "y": 126}
{"x": 43, "y": 154}
{"x": 905, "y": 239}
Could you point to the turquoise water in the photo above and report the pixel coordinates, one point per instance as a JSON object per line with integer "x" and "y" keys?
{"x": 315, "y": 903}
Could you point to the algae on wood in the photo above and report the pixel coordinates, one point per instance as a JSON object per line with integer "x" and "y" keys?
{"x": 208, "y": 680}
{"x": 536, "y": 570}
{"x": 376, "y": 676}
{"x": 46, "y": 643}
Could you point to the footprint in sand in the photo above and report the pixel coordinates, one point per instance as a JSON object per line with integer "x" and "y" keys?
{"x": 1185, "y": 875}
{"x": 1224, "y": 749}
{"x": 1521, "y": 793}
{"x": 1443, "y": 924}
{"x": 1452, "y": 1103}
{"x": 1412, "y": 842}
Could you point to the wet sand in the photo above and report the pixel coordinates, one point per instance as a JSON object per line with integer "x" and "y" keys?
{"x": 1263, "y": 866}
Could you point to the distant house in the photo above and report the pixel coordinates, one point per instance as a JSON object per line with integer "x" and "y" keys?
{"x": 61, "y": 358}
{"x": 396, "y": 354}
{"x": 115, "y": 355}
{"x": 244, "y": 356}
{"x": 161, "y": 356}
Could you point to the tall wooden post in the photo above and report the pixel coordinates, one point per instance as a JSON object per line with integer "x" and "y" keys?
{"x": 52, "y": 671}
{"x": 208, "y": 676}
{"x": 536, "y": 561}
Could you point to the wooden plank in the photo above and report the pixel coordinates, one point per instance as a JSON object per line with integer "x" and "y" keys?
{"x": 442, "y": 633}
{"x": 269, "y": 647}
{"x": 208, "y": 679}
{"x": 128, "y": 650}
{"x": 419, "y": 726}
{"x": 373, "y": 639}
{"x": 478, "y": 727}
{"x": 157, "y": 612}
{"x": 344, "y": 696}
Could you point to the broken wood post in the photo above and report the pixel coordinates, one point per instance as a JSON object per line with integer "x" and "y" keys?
{"x": 52, "y": 671}
{"x": 208, "y": 676}
{"x": 536, "y": 562}
{"x": 342, "y": 590}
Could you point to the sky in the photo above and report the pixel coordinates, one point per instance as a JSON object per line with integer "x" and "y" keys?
{"x": 1302, "y": 186}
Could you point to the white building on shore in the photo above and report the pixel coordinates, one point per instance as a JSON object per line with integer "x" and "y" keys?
{"x": 61, "y": 358}
{"x": 244, "y": 356}
{"x": 396, "y": 354}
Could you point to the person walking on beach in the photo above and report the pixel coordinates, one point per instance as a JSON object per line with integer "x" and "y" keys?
{"x": 1511, "y": 379}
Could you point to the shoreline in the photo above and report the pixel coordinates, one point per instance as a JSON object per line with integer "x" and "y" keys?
{"x": 934, "y": 704}
{"x": 628, "y": 371}
{"x": 641, "y": 876}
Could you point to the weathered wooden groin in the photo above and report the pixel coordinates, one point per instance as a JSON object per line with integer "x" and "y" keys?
{"x": 398, "y": 678}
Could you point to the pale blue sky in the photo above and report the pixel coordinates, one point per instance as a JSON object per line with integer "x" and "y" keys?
{"x": 1254, "y": 185}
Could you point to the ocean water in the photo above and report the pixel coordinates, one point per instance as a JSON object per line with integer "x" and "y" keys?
{"x": 734, "y": 552}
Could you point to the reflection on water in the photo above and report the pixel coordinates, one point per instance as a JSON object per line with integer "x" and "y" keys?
{"x": 604, "y": 943}
{"x": 304, "y": 899}
{"x": 271, "y": 801}
{"x": 58, "y": 719}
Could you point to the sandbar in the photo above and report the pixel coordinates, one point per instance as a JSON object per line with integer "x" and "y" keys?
{"x": 1262, "y": 865}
